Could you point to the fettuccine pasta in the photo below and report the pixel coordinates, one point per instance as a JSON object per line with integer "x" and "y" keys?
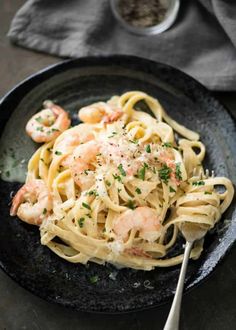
{"x": 118, "y": 187}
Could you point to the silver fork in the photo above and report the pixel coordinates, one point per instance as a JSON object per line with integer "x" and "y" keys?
{"x": 191, "y": 233}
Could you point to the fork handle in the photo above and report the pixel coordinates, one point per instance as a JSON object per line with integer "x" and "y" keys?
{"x": 172, "y": 322}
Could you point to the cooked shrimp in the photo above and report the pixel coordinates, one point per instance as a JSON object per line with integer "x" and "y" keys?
{"x": 143, "y": 219}
{"x": 32, "y": 202}
{"x": 84, "y": 155}
{"x": 101, "y": 111}
{"x": 73, "y": 137}
{"x": 48, "y": 124}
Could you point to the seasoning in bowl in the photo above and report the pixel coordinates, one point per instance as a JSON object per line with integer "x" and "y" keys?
{"x": 144, "y": 13}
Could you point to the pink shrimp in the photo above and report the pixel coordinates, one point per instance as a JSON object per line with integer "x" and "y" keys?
{"x": 144, "y": 219}
{"x": 32, "y": 202}
{"x": 72, "y": 138}
{"x": 84, "y": 155}
{"x": 48, "y": 124}
{"x": 100, "y": 112}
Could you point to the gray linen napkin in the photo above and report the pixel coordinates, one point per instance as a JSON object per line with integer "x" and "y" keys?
{"x": 202, "y": 42}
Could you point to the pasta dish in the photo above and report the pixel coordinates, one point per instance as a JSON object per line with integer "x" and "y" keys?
{"x": 118, "y": 187}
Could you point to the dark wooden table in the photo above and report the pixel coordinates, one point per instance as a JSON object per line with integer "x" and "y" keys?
{"x": 211, "y": 306}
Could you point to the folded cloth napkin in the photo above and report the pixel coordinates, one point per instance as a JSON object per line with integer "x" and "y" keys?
{"x": 202, "y": 41}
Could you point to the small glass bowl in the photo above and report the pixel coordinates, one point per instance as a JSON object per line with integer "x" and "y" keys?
{"x": 170, "y": 17}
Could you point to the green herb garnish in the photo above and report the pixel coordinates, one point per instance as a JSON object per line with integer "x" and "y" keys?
{"x": 172, "y": 189}
{"x": 148, "y": 148}
{"x": 7, "y": 173}
{"x": 93, "y": 192}
{"x": 116, "y": 177}
{"x": 39, "y": 119}
{"x": 138, "y": 191}
{"x": 81, "y": 222}
{"x": 142, "y": 171}
{"x": 86, "y": 206}
{"x": 178, "y": 172}
{"x": 207, "y": 193}
{"x": 58, "y": 153}
{"x": 112, "y": 134}
{"x": 39, "y": 129}
{"x": 167, "y": 145}
{"x": 164, "y": 173}
{"x": 44, "y": 211}
{"x": 198, "y": 183}
{"x": 93, "y": 279}
{"x": 131, "y": 205}
{"x": 122, "y": 171}
{"x": 108, "y": 183}
{"x": 134, "y": 141}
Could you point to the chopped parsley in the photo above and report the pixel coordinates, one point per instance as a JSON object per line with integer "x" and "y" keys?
{"x": 44, "y": 211}
{"x": 142, "y": 171}
{"x": 93, "y": 279}
{"x": 122, "y": 171}
{"x": 198, "y": 183}
{"x": 86, "y": 206}
{"x": 119, "y": 190}
{"x": 134, "y": 141}
{"x": 93, "y": 192}
{"x": 172, "y": 189}
{"x": 40, "y": 128}
{"x": 138, "y": 191}
{"x": 81, "y": 222}
{"x": 39, "y": 119}
{"x": 55, "y": 130}
{"x": 167, "y": 145}
{"x": 108, "y": 183}
{"x": 116, "y": 177}
{"x": 207, "y": 193}
{"x": 112, "y": 134}
{"x": 148, "y": 148}
{"x": 164, "y": 173}
{"x": 131, "y": 205}
{"x": 178, "y": 172}
{"x": 58, "y": 153}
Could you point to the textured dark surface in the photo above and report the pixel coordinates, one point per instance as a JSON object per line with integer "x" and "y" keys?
{"x": 211, "y": 306}
{"x": 74, "y": 84}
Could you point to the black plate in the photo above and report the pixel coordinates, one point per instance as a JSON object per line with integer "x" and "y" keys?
{"x": 74, "y": 84}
